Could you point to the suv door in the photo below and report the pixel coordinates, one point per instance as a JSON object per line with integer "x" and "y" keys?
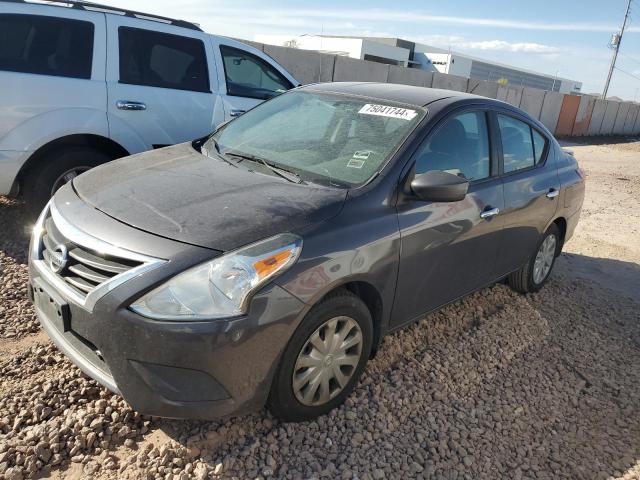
{"x": 449, "y": 249}
{"x": 531, "y": 187}
{"x": 160, "y": 83}
{"x": 248, "y": 78}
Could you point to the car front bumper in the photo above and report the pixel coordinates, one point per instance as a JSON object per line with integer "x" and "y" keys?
{"x": 178, "y": 369}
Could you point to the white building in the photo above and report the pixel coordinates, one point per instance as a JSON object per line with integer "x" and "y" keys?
{"x": 395, "y": 51}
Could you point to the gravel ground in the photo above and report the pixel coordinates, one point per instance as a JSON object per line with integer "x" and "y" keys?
{"x": 498, "y": 385}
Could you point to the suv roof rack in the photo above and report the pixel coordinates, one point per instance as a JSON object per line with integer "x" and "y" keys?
{"x": 96, "y": 7}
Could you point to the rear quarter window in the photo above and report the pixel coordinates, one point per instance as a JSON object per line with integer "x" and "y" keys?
{"x": 46, "y": 45}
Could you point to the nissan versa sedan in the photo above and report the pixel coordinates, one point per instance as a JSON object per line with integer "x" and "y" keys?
{"x": 265, "y": 263}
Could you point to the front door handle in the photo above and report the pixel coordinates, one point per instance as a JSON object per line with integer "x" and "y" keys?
{"x": 489, "y": 213}
{"x": 130, "y": 105}
{"x": 553, "y": 193}
{"x": 236, "y": 113}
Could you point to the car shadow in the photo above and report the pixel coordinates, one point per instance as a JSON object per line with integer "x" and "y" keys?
{"x": 617, "y": 275}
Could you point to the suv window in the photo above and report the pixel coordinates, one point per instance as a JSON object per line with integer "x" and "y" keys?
{"x": 46, "y": 45}
{"x": 162, "y": 60}
{"x": 250, "y": 76}
{"x": 522, "y": 146}
{"x": 459, "y": 146}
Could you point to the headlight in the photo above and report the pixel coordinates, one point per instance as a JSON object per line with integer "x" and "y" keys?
{"x": 221, "y": 287}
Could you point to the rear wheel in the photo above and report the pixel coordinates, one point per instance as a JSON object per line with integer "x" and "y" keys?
{"x": 323, "y": 360}
{"x": 535, "y": 273}
{"x": 56, "y": 170}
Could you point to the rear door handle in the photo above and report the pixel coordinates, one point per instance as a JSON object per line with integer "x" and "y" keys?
{"x": 489, "y": 213}
{"x": 553, "y": 193}
{"x": 130, "y": 105}
{"x": 236, "y": 113}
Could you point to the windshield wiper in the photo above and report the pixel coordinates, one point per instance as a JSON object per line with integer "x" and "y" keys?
{"x": 223, "y": 157}
{"x": 281, "y": 172}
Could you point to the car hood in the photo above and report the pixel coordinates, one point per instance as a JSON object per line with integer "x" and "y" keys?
{"x": 178, "y": 193}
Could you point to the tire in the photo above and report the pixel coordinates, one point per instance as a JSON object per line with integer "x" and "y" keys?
{"x": 48, "y": 175}
{"x": 524, "y": 280}
{"x": 349, "y": 313}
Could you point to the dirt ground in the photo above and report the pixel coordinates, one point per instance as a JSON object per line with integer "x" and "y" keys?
{"x": 498, "y": 385}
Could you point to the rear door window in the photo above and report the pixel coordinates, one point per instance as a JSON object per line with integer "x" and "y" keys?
{"x": 250, "y": 76}
{"x": 162, "y": 60}
{"x": 46, "y": 45}
{"x": 522, "y": 146}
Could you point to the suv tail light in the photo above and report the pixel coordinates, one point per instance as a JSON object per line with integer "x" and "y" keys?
{"x": 581, "y": 173}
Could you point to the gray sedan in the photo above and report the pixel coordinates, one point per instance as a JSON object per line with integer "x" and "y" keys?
{"x": 265, "y": 263}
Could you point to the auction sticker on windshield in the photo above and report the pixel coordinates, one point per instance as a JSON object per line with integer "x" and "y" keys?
{"x": 388, "y": 111}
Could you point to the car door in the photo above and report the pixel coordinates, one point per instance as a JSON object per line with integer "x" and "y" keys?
{"x": 161, "y": 83}
{"x": 248, "y": 77}
{"x": 531, "y": 187}
{"x": 450, "y": 248}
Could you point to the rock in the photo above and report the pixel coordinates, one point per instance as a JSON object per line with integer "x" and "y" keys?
{"x": 357, "y": 439}
{"x": 14, "y": 473}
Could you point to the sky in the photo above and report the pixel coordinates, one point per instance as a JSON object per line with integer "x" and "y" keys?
{"x": 569, "y": 38}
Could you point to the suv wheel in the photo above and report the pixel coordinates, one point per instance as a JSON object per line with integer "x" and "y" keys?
{"x": 57, "y": 169}
{"x": 323, "y": 360}
{"x": 535, "y": 273}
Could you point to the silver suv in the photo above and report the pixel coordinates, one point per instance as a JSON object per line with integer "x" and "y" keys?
{"x": 84, "y": 84}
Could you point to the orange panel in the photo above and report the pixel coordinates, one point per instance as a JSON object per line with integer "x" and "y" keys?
{"x": 568, "y": 114}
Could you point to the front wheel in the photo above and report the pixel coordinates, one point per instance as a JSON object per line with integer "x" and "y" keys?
{"x": 535, "y": 273}
{"x": 323, "y": 360}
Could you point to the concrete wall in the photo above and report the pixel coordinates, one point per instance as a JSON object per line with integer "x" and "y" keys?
{"x": 636, "y": 128}
{"x": 563, "y": 115}
{"x": 409, "y": 76}
{"x": 583, "y": 116}
{"x": 531, "y": 101}
{"x": 621, "y": 118}
{"x": 551, "y": 107}
{"x": 609, "y": 120}
{"x": 352, "y": 70}
{"x": 631, "y": 120}
{"x": 449, "y": 82}
{"x": 305, "y": 66}
{"x": 512, "y": 95}
{"x": 597, "y": 117}
{"x": 483, "y": 88}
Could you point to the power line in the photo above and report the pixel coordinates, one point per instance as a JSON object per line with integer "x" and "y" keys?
{"x": 629, "y": 58}
{"x": 617, "y": 40}
{"x": 627, "y": 73}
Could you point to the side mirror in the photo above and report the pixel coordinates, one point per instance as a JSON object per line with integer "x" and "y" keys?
{"x": 438, "y": 186}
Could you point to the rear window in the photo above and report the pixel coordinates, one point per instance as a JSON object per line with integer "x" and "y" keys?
{"x": 46, "y": 45}
{"x": 162, "y": 60}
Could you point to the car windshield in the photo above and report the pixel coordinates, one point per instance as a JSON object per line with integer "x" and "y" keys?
{"x": 331, "y": 139}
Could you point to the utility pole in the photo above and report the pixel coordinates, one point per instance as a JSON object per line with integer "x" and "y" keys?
{"x": 616, "y": 40}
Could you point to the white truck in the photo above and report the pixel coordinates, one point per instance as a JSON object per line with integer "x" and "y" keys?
{"x": 82, "y": 84}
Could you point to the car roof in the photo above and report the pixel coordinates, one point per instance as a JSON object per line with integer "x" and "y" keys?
{"x": 107, "y": 9}
{"x": 409, "y": 94}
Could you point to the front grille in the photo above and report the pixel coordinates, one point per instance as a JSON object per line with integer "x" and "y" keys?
{"x": 83, "y": 269}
